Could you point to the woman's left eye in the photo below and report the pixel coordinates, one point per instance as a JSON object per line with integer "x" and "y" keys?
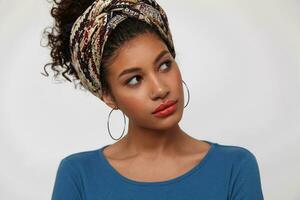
{"x": 167, "y": 63}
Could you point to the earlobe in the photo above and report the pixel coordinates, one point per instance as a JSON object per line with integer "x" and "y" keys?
{"x": 108, "y": 100}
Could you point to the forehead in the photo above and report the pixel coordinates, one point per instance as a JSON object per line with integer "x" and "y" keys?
{"x": 140, "y": 51}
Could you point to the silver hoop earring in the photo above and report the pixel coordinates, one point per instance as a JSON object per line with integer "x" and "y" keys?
{"x": 188, "y": 92}
{"x": 108, "y": 125}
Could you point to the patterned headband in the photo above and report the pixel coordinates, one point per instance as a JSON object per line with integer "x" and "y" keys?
{"x": 91, "y": 30}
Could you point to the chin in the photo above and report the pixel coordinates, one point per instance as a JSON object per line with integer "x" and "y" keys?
{"x": 168, "y": 122}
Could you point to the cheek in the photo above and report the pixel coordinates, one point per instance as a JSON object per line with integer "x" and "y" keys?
{"x": 132, "y": 102}
{"x": 177, "y": 85}
{"x": 177, "y": 72}
{"x": 175, "y": 80}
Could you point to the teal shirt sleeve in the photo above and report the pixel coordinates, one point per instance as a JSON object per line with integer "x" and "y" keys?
{"x": 67, "y": 182}
{"x": 245, "y": 182}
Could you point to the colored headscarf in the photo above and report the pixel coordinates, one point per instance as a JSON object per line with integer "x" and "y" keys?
{"x": 91, "y": 30}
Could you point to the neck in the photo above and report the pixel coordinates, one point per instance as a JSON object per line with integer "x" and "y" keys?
{"x": 143, "y": 141}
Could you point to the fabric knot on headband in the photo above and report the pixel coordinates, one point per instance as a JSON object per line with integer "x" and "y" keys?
{"x": 91, "y": 30}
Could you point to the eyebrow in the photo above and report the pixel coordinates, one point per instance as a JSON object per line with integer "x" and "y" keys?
{"x": 136, "y": 69}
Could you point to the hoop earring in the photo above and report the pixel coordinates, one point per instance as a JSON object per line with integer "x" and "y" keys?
{"x": 108, "y": 125}
{"x": 188, "y": 94}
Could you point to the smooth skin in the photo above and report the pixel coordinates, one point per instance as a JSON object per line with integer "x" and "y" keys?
{"x": 154, "y": 149}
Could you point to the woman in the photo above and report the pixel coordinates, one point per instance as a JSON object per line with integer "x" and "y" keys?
{"x": 122, "y": 52}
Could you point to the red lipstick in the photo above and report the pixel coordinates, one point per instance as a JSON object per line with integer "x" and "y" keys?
{"x": 165, "y": 109}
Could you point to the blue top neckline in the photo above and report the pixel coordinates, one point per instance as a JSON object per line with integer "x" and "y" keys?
{"x": 169, "y": 181}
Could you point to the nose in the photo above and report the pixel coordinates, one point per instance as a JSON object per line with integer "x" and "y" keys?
{"x": 159, "y": 89}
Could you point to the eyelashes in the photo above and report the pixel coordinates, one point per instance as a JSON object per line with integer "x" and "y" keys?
{"x": 168, "y": 64}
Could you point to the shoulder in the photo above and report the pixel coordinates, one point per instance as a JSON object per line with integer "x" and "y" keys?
{"x": 236, "y": 154}
{"x": 243, "y": 172}
{"x": 70, "y": 174}
{"x": 81, "y": 159}
{"x": 79, "y": 156}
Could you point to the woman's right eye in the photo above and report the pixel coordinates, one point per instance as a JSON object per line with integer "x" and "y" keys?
{"x": 132, "y": 82}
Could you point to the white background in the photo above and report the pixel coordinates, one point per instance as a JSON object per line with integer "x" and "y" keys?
{"x": 240, "y": 60}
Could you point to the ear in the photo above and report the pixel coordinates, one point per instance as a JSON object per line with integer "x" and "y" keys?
{"x": 109, "y": 100}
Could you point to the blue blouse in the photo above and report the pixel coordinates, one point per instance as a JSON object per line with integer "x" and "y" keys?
{"x": 225, "y": 173}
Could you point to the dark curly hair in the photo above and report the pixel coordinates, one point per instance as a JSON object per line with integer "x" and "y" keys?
{"x": 65, "y": 12}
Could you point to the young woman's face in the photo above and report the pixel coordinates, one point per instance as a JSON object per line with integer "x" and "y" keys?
{"x": 142, "y": 76}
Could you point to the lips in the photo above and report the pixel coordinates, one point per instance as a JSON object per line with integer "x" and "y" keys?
{"x": 164, "y": 105}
